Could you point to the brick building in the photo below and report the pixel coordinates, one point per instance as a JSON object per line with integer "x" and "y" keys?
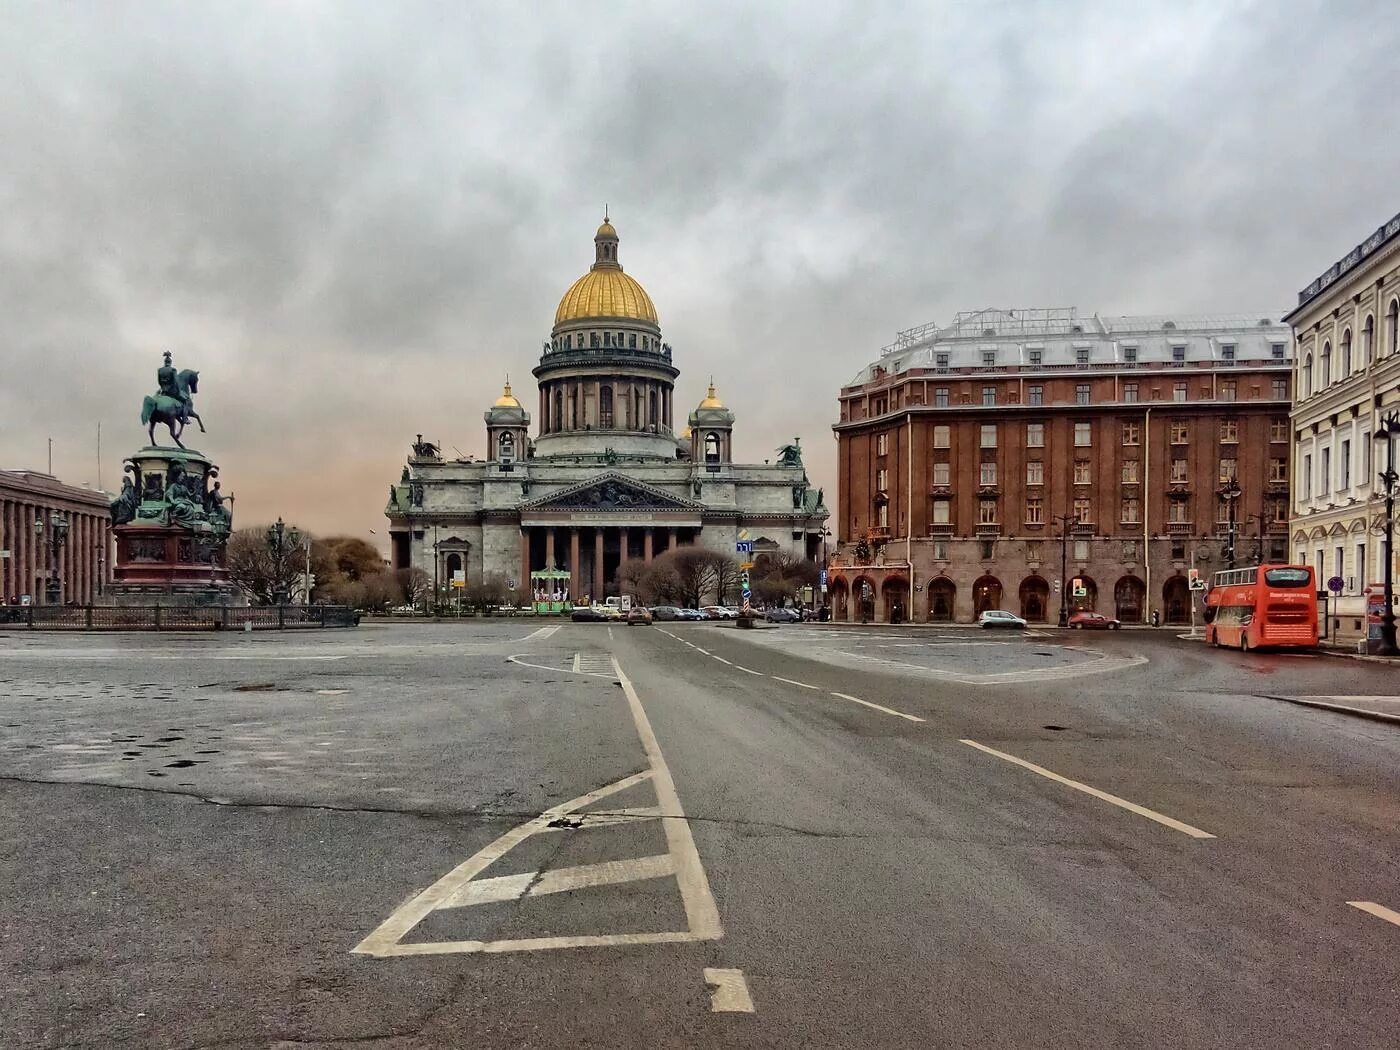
{"x": 82, "y": 559}
{"x": 966, "y": 453}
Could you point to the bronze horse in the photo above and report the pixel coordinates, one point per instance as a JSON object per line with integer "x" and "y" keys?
{"x": 174, "y": 412}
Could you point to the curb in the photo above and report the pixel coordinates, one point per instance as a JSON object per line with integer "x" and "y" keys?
{"x": 1322, "y": 705}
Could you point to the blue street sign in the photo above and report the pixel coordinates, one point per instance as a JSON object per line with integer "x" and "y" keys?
{"x": 743, "y": 547}
{"x": 823, "y": 581}
{"x": 1335, "y": 585}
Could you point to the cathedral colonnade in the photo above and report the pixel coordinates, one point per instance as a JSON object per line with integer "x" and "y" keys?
{"x": 82, "y": 562}
{"x": 593, "y": 554}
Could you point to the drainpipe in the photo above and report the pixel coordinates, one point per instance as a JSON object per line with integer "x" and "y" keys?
{"x": 1146, "y": 511}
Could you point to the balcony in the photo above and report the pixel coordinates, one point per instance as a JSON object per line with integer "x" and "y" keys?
{"x": 941, "y": 529}
{"x": 988, "y": 528}
{"x": 878, "y": 532}
{"x": 1178, "y": 528}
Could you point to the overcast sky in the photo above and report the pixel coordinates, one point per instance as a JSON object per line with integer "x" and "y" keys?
{"x": 355, "y": 219}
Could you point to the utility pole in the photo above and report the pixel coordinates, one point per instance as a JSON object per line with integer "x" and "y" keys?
{"x": 1067, "y": 522}
{"x": 1389, "y": 426}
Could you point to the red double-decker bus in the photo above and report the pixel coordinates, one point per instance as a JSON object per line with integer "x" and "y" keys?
{"x": 1263, "y": 605}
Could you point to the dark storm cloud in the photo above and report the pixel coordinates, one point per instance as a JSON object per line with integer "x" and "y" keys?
{"x": 356, "y": 218}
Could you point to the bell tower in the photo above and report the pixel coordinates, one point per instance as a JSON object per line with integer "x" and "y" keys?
{"x": 507, "y": 430}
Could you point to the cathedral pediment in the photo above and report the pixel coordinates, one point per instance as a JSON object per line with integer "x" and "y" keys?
{"x": 612, "y": 492}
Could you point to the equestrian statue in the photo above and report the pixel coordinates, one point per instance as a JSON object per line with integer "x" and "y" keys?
{"x": 173, "y": 404}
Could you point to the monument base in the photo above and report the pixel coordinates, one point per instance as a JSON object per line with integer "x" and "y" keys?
{"x": 177, "y": 595}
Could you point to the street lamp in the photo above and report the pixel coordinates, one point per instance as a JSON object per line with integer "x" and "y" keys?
{"x": 1230, "y": 492}
{"x": 280, "y": 540}
{"x": 825, "y": 534}
{"x": 1067, "y": 522}
{"x": 57, "y": 536}
{"x": 1388, "y": 427}
{"x": 1258, "y": 536}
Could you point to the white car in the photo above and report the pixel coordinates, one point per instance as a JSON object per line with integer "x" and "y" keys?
{"x": 1000, "y": 618}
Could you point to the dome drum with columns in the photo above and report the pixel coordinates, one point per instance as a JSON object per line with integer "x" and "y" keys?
{"x": 607, "y": 478}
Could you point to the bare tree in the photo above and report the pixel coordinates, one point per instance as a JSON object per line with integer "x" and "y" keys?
{"x": 417, "y": 586}
{"x": 253, "y": 567}
{"x": 691, "y": 574}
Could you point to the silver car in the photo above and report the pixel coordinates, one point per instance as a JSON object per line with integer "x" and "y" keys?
{"x": 1000, "y": 618}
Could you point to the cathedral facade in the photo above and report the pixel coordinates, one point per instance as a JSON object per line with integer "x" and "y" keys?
{"x": 606, "y": 476}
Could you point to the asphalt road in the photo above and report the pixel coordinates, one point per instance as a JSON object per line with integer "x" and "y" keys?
{"x": 490, "y": 835}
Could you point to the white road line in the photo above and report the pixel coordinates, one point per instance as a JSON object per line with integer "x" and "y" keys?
{"x": 331, "y": 692}
{"x": 541, "y": 634}
{"x": 1380, "y": 911}
{"x": 719, "y": 658}
{"x": 610, "y": 632}
{"x": 731, "y": 991}
{"x": 1131, "y": 807}
{"x": 578, "y": 663}
{"x": 789, "y": 681}
{"x": 877, "y": 707}
{"x": 560, "y": 880}
{"x": 748, "y": 670}
{"x": 604, "y": 818}
{"x": 558, "y": 670}
{"x": 701, "y": 912}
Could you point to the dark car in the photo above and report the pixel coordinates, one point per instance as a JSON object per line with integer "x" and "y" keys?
{"x": 588, "y": 614}
{"x": 638, "y": 614}
{"x": 1092, "y": 621}
{"x": 666, "y": 612}
{"x": 782, "y": 616}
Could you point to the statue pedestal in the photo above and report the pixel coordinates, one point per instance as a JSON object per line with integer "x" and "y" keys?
{"x": 171, "y": 552}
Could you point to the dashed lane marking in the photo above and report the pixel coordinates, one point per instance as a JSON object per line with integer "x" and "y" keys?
{"x": 460, "y": 888}
{"x": 541, "y": 634}
{"x": 789, "y": 681}
{"x": 720, "y": 659}
{"x": 877, "y": 707}
{"x": 1380, "y": 911}
{"x": 1121, "y": 803}
{"x": 750, "y": 670}
{"x": 518, "y": 658}
{"x": 731, "y": 991}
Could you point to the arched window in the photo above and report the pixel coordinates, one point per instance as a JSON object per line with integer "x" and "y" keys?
{"x": 1368, "y": 341}
{"x": 1326, "y": 377}
{"x": 711, "y": 447}
{"x": 505, "y": 446}
{"x": 1307, "y": 376}
{"x": 1392, "y": 324}
{"x": 1346, "y": 355}
{"x": 605, "y": 407}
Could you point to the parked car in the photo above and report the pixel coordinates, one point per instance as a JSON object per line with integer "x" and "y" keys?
{"x": 666, "y": 612}
{"x": 1000, "y": 618}
{"x": 782, "y": 616}
{"x": 692, "y": 614}
{"x": 588, "y": 614}
{"x": 609, "y": 612}
{"x": 1093, "y": 621}
{"x": 718, "y": 612}
{"x": 639, "y": 614}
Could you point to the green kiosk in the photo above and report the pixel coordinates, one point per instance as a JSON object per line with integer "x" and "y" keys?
{"x": 551, "y": 590}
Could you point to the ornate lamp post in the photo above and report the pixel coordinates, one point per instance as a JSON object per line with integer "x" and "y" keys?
{"x": 1230, "y": 492}
{"x": 280, "y": 540}
{"x": 1258, "y": 537}
{"x": 825, "y": 534}
{"x": 52, "y": 536}
{"x": 1388, "y": 428}
{"x": 1067, "y": 522}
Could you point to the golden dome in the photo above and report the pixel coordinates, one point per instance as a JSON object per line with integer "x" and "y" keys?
{"x": 507, "y": 399}
{"x": 685, "y": 434}
{"x": 605, "y": 293}
{"x": 711, "y": 401}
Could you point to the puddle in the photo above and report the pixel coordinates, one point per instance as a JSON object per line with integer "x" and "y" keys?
{"x": 180, "y": 763}
{"x": 1057, "y": 729}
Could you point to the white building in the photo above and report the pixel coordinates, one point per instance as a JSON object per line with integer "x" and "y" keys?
{"x": 1347, "y": 376}
{"x": 607, "y": 477}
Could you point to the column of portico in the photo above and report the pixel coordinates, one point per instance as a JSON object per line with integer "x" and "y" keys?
{"x": 626, "y": 540}
{"x": 77, "y": 559}
{"x": 575, "y": 581}
{"x": 7, "y": 542}
{"x": 646, "y": 544}
{"x": 524, "y": 556}
{"x": 671, "y": 538}
{"x": 549, "y": 548}
{"x": 598, "y": 564}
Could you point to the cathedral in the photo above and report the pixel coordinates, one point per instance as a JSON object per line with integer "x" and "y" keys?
{"x": 606, "y": 476}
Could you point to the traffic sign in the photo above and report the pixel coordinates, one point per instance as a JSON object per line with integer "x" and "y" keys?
{"x": 1335, "y": 584}
{"x": 746, "y": 565}
{"x": 1198, "y": 584}
{"x": 743, "y": 547}
{"x": 823, "y": 578}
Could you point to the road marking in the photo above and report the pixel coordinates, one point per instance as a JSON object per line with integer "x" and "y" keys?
{"x": 331, "y": 692}
{"x": 877, "y": 707}
{"x": 731, "y": 991}
{"x": 603, "y": 818}
{"x": 747, "y": 670}
{"x": 1380, "y": 911}
{"x": 720, "y": 659}
{"x": 578, "y": 663}
{"x": 610, "y": 634}
{"x": 541, "y": 634}
{"x": 516, "y": 659}
{"x": 1132, "y": 807}
{"x": 460, "y": 888}
{"x": 789, "y": 681}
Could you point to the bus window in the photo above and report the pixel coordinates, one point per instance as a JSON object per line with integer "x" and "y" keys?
{"x": 1287, "y": 577}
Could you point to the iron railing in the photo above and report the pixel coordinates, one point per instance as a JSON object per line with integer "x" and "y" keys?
{"x": 175, "y": 618}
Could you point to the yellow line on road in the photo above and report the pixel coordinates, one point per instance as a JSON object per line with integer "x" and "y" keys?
{"x": 1131, "y": 807}
{"x": 1380, "y": 911}
{"x": 877, "y": 707}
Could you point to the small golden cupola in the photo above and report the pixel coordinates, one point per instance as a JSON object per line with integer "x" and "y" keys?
{"x": 507, "y": 429}
{"x": 711, "y": 431}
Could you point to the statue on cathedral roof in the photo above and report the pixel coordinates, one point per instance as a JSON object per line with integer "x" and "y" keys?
{"x": 791, "y": 455}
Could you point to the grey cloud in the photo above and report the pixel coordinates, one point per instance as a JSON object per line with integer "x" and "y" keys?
{"x": 356, "y": 218}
